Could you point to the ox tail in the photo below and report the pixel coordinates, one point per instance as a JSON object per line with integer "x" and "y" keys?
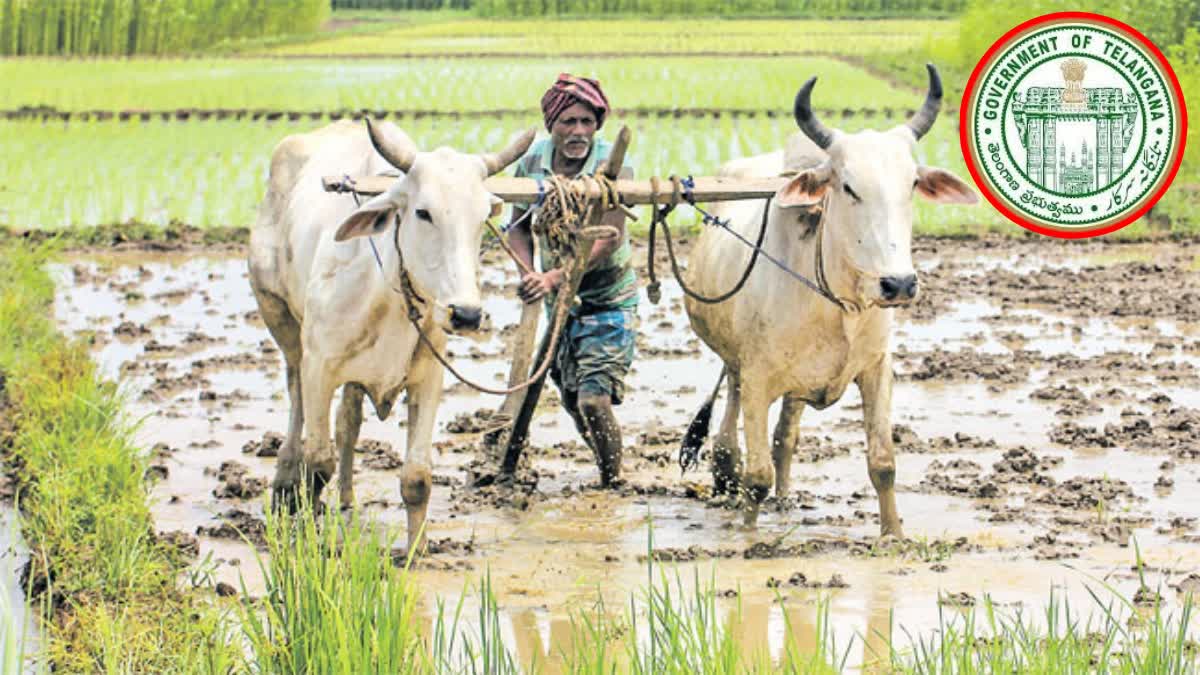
{"x": 697, "y": 431}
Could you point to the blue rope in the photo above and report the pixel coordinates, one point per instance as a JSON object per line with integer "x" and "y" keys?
{"x": 378, "y": 260}
{"x": 689, "y": 184}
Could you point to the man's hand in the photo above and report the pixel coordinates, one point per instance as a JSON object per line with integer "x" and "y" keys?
{"x": 535, "y": 286}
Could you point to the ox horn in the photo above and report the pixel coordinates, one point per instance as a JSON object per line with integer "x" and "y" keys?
{"x": 397, "y": 148}
{"x": 923, "y": 119}
{"x": 496, "y": 161}
{"x": 807, "y": 121}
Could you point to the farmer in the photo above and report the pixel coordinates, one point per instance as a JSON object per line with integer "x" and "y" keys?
{"x": 596, "y": 345}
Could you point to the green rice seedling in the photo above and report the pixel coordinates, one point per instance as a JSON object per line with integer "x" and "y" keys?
{"x": 459, "y": 85}
{"x": 619, "y": 36}
{"x": 334, "y": 601}
{"x": 671, "y": 626}
{"x": 476, "y": 648}
{"x": 1059, "y": 640}
{"x": 214, "y": 173}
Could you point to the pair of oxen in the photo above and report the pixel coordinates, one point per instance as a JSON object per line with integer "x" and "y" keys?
{"x": 330, "y": 299}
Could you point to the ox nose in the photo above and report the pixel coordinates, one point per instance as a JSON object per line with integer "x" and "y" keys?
{"x": 898, "y": 288}
{"x": 465, "y": 317}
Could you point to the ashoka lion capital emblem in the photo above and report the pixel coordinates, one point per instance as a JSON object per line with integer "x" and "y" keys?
{"x": 1073, "y": 96}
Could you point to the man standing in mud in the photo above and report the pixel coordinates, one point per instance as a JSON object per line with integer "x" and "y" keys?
{"x": 596, "y": 347}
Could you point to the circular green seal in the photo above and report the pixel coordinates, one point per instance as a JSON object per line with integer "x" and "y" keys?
{"x": 1073, "y": 124}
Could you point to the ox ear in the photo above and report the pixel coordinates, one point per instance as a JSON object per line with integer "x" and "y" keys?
{"x": 497, "y": 206}
{"x": 372, "y": 217}
{"x": 943, "y": 187}
{"x": 807, "y": 188}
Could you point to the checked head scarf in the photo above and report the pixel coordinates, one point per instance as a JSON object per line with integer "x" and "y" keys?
{"x": 569, "y": 90}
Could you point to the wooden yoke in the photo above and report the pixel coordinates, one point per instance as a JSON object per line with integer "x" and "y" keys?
{"x": 707, "y": 188}
{"x": 575, "y": 266}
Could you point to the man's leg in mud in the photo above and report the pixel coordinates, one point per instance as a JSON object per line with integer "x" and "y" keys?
{"x": 570, "y": 403}
{"x": 597, "y": 413}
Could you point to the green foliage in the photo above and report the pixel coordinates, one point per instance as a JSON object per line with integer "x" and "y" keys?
{"x": 110, "y": 584}
{"x": 1115, "y": 637}
{"x": 334, "y": 601}
{"x": 128, "y": 27}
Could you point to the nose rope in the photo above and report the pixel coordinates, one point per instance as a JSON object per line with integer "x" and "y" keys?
{"x": 569, "y": 203}
{"x": 414, "y": 315}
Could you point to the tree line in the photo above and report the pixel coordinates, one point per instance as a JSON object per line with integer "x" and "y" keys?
{"x": 154, "y": 27}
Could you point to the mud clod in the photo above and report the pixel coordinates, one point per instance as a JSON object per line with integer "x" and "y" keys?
{"x": 480, "y": 421}
{"x": 267, "y": 446}
{"x": 1083, "y": 492}
{"x": 237, "y": 524}
{"x": 236, "y": 483}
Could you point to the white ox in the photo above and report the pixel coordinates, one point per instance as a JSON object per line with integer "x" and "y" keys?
{"x": 338, "y": 318}
{"x": 778, "y": 338}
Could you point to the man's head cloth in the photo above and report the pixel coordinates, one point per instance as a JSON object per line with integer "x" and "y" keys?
{"x": 569, "y": 90}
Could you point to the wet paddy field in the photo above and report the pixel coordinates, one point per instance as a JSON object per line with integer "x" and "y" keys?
{"x": 1046, "y": 412}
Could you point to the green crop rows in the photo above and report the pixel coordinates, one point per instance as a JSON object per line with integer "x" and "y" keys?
{"x": 433, "y": 84}
{"x": 630, "y": 37}
{"x": 214, "y": 173}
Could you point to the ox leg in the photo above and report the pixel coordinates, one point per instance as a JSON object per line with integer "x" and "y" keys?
{"x": 416, "y": 478}
{"x": 783, "y": 445}
{"x": 287, "y": 466}
{"x": 759, "y": 476}
{"x": 319, "y": 459}
{"x": 727, "y": 455}
{"x": 349, "y": 421}
{"x": 875, "y": 384}
{"x": 286, "y": 331}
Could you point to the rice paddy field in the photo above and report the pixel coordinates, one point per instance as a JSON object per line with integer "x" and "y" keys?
{"x": 1047, "y": 444}
{"x": 160, "y": 135}
{"x": 432, "y": 83}
{"x": 610, "y": 37}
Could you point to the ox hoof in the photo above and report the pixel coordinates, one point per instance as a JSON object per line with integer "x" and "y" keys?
{"x": 285, "y": 498}
{"x": 416, "y": 549}
{"x": 318, "y": 477}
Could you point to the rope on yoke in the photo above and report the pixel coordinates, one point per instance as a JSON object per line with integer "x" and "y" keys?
{"x": 654, "y": 290}
{"x": 686, "y": 186}
{"x": 562, "y": 211}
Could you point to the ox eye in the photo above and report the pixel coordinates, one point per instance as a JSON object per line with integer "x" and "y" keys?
{"x": 851, "y": 192}
{"x": 424, "y": 215}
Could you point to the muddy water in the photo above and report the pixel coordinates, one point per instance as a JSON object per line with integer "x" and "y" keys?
{"x": 18, "y": 630}
{"x": 1046, "y": 411}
